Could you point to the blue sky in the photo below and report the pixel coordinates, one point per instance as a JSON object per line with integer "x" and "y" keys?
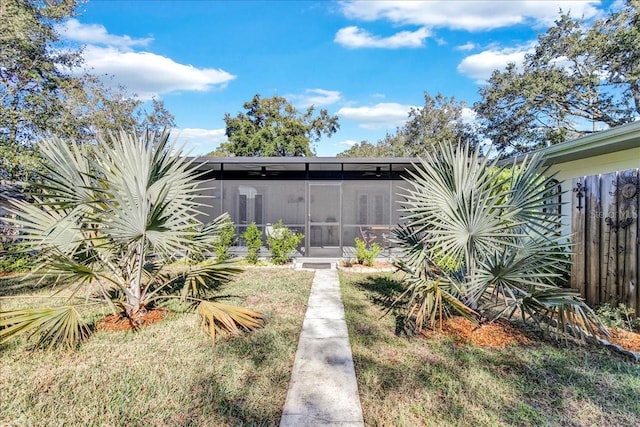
{"x": 368, "y": 62}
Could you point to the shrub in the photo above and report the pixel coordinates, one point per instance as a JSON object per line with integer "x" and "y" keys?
{"x": 15, "y": 258}
{"x": 223, "y": 241}
{"x": 253, "y": 237}
{"x": 366, "y": 255}
{"x": 282, "y": 242}
{"x": 618, "y": 317}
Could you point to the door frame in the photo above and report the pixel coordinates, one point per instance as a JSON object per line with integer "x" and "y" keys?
{"x": 308, "y": 222}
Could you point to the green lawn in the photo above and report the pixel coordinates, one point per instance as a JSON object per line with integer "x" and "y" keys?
{"x": 167, "y": 374}
{"x": 409, "y": 381}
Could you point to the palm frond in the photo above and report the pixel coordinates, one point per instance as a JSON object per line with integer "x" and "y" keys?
{"x": 453, "y": 199}
{"x": 204, "y": 238}
{"x": 534, "y": 195}
{"x": 431, "y": 300}
{"x": 414, "y": 250}
{"x": 54, "y": 326}
{"x": 533, "y": 263}
{"x": 223, "y": 318}
{"x": 501, "y": 224}
{"x": 200, "y": 278}
{"x": 564, "y": 310}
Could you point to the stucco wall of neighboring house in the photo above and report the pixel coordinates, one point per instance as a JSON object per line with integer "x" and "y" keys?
{"x": 601, "y": 164}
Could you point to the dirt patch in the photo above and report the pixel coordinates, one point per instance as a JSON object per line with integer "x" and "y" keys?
{"x": 626, "y": 339}
{"x": 498, "y": 334}
{"x": 119, "y": 322}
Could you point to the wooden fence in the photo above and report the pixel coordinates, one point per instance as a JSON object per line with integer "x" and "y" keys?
{"x": 606, "y": 237}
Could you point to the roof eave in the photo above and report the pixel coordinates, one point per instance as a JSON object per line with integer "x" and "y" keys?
{"x": 620, "y": 138}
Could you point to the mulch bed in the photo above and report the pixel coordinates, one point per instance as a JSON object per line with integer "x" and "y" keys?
{"x": 119, "y": 322}
{"x": 361, "y": 268}
{"x": 626, "y": 339}
{"x": 498, "y": 334}
{"x": 501, "y": 333}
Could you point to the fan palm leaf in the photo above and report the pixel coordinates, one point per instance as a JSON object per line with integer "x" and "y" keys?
{"x": 217, "y": 317}
{"x": 55, "y": 326}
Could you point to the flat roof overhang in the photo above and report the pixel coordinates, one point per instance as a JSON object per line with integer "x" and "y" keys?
{"x": 322, "y": 168}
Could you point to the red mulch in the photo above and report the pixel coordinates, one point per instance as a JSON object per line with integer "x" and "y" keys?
{"x": 626, "y": 339}
{"x": 498, "y": 334}
{"x": 119, "y": 322}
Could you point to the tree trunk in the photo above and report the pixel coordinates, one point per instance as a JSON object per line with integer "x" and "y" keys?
{"x": 134, "y": 295}
{"x": 635, "y": 92}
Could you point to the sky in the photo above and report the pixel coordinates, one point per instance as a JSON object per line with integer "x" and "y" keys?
{"x": 368, "y": 62}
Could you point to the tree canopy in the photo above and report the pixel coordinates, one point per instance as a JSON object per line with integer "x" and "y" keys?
{"x": 40, "y": 96}
{"x": 32, "y": 82}
{"x": 274, "y": 127}
{"x": 578, "y": 79}
{"x": 439, "y": 120}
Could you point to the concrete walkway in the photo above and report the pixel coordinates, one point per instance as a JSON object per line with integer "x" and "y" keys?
{"x": 323, "y": 389}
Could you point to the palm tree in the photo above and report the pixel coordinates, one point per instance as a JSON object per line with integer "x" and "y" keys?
{"x": 484, "y": 241}
{"x": 113, "y": 215}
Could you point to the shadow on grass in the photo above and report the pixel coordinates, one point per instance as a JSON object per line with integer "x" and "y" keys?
{"x": 20, "y": 284}
{"x": 233, "y": 396}
{"x": 250, "y": 387}
{"x": 382, "y": 289}
{"x": 449, "y": 384}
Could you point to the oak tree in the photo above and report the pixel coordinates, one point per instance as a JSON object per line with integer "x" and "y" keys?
{"x": 440, "y": 120}
{"x": 274, "y": 127}
{"x": 578, "y": 79}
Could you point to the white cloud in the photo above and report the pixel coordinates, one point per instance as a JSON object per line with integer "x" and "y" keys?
{"x": 199, "y": 141}
{"x": 317, "y": 97}
{"x": 466, "y": 46}
{"x": 470, "y": 15}
{"x": 480, "y": 66}
{"x": 148, "y": 74}
{"x": 354, "y": 38}
{"x": 75, "y": 31}
{"x": 379, "y": 116}
{"x": 348, "y": 143}
{"x": 468, "y": 115}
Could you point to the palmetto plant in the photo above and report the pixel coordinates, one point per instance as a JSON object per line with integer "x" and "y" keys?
{"x": 486, "y": 246}
{"x": 111, "y": 217}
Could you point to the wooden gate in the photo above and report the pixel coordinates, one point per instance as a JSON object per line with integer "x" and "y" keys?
{"x": 606, "y": 252}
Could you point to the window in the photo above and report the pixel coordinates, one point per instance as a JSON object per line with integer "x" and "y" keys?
{"x": 371, "y": 208}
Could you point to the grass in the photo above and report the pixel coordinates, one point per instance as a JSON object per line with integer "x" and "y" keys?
{"x": 411, "y": 381}
{"x": 167, "y": 374}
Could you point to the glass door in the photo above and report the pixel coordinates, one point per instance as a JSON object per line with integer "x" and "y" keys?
{"x": 324, "y": 219}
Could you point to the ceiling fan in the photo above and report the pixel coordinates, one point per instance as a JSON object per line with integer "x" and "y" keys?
{"x": 378, "y": 173}
{"x": 263, "y": 172}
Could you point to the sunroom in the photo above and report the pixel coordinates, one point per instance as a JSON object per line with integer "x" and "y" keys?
{"x": 331, "y": 201}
